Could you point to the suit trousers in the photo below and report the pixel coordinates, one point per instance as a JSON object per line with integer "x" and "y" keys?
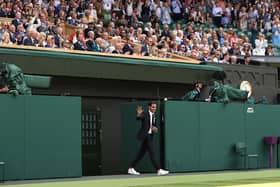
{"x": 147, "y": 145}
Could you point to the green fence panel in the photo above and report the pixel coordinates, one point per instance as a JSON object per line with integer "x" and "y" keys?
{"x": 221, "y": 126}
{"x": 40, "y": 137}
{"x": 181, "y": 136}
{"x": 261, "y": 121}
{"x": 53, "y": 137}
{"x": 129, "y": 143}
{"x": 201, "y": 136}
{"x": 11, "y": 136}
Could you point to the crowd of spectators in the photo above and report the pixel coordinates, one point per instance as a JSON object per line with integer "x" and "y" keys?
{"x": 147, "y": 27}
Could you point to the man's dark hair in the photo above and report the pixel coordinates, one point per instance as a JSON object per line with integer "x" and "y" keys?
{"x": 151, "y": 103}
{"x": 219, "y": 75}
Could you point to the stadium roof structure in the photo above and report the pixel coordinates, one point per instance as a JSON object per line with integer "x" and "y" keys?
{"x": 267, "y": 60}
{"x": 73, "y": 63}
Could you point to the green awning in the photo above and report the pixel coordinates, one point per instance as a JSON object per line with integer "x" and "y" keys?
{"x": 52, "y": 63}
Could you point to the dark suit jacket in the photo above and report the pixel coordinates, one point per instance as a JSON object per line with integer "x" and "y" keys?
{"x": 16, "y": 22}
{"x": 144, "y": 50}
{"x": 145, "y": 126}
{"x": 117, "y": 52}
{"x": 29, "y": 42}
{"x": 79, "y": 46}
{"x": 128, "y": 47}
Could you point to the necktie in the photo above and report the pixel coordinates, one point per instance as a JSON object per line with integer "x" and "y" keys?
{"x": 153, "y": 119}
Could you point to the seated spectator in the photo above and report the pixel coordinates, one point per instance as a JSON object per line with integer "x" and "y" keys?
{"x": 112, "y": 44}
{"x": 215, "y": 47}
{"x": 6, "y": 38}
{"x": 194, "y": 53}
{"x": 98, "y": 47}
{"x": 226, "y": 59}
{"x": 247, "y": 59}
{"x": 246, "y": 49}
{"x": 51, "y": 42}
{"x": 72, "y": 19}
{"x": 225, "y": 49}
{"x": 44, "y": 24}
{"x": 235, "y": 50}
{"x": 92, "y": 13}
{"x": 182, "y": 50}
{"x": 154, "y": 51}
{"x": 80, "y": 44}
{"x": 20, "y": 34}
{"x": 148, "y": 28}
{"x": 67, "y": 45}
{"x": 137, "y": 50}
{"x": 119, "y": 48}
{"x": 12, "y": 33}
{"x": 31, "y": 37}
{"x": 146, "y": 48}
{"x": 269, "y": 51}
{"x": 205, "y": 58}
{"x": 59, "y": 36}
{"x": 17, "y": 20}
{"x": 128, "y": 47}
{"x": 260, "y": 45}
{"x": 42, "y": 40}
{"x": 90, "y": 41}
{"x": 216, "y": 57}
{"x": 233, "y": 59}
{"x": 88, "y": 17}
{"x": 163, "y": 53}
{"x": 105, "y": 41}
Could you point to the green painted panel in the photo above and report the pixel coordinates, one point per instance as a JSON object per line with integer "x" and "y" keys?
{"x": 12, "y": 136}
{"x": 53, "y": 137}
{"x": 129, "y": 143}
{"x": 221, "y": 126}
{"x": 37, "y": 81}
{"x": 40, "y": 136}
{"x": 181, "y": 136}
{"x": 263, "y": 120}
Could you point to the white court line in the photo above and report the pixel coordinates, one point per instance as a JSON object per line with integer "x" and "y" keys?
{"x": 272, "y": 184}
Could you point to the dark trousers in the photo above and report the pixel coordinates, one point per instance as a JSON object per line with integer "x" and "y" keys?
{"x": 147, "y": 145}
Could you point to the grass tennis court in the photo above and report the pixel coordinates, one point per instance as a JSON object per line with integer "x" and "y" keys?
{"x": 259, "y": 178}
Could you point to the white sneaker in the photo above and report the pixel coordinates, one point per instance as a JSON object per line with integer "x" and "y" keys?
{"x": 162, "y": 172}
{"x": 132, "y": 171}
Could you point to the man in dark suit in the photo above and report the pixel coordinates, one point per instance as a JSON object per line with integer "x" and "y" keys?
{"x": 145, "y": 135}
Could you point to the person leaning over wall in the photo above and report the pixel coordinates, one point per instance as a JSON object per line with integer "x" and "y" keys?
{"x": 195, "y": 94}
{"x": 12, "y": 80}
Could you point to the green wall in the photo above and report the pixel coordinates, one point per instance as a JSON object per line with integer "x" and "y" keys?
{"x": 40, "y": 136}
{"x": 201, "y": 136}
